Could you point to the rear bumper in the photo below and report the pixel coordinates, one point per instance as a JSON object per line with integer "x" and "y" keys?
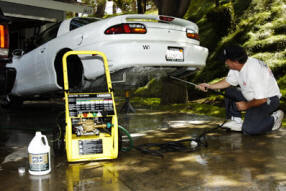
{"x": 123, "y": 55}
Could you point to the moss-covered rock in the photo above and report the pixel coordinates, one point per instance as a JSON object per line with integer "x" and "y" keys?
{"x": 152, "y": 89}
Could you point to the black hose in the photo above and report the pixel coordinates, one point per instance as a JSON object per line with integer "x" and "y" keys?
{"x": 183, "y": 145}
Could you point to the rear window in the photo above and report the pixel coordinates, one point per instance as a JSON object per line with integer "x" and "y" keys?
{"x": 78, "y": 22}
{"x": 48, "y": 34}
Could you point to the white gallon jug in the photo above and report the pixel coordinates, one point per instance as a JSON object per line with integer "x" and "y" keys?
{"x": 39, "y": 155}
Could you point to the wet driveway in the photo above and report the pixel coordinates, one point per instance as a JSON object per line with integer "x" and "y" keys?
{"x": 231, "y": 161}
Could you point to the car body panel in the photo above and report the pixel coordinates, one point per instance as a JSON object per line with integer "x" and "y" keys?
{"x": 36, "y": 73}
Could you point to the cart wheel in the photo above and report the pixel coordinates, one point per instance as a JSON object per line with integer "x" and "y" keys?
{"x": 59, "y": 134}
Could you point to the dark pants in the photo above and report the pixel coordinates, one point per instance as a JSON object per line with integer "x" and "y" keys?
{"x": 258, "y": 120}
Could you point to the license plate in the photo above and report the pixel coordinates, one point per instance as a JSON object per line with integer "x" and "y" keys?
{"x": 175, "y": 54}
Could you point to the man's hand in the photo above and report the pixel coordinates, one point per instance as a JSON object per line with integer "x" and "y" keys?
{"x": 214, "y": 86}
{"x": 203, "y": 87}
{"x": 242, "y": 105}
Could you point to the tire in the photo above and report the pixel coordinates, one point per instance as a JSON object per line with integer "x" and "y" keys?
{"x": 75, "y": 69}
{"x": 11, "y": 102}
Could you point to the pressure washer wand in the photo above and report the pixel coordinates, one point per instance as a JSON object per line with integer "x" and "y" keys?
{"x": 183, "y": 81}
{"x": 187, "y": 82}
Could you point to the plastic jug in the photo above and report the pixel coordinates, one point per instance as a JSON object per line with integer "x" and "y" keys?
{"x": 39, "y": 155}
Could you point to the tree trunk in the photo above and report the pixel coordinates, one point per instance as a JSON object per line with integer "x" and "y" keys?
{"x": 100, "y": 8}
{"x": 216, "y": 3}
{"x": 173, "y": 92}
{"x": 176, "y": 8}
{"x": 133, "y": 6}
{"x": 141, "y": 4}
{"x": 114, "y": 8}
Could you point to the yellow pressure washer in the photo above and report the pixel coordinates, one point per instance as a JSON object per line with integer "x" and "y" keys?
{"x": 91, "y": 119}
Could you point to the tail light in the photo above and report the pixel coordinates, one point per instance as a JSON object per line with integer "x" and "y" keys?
{"x": 192, "y": 34}
{"x": 4, "y": 40}
{"x": 166, "y": 19}
{"x": 126, "y": 28}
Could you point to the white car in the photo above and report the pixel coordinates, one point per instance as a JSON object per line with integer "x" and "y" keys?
{"x": 135, "y": 45}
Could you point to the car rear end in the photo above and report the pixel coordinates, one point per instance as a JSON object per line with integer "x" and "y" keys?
{"x": 136, "y": 41}
{"x": 151, "y": 40}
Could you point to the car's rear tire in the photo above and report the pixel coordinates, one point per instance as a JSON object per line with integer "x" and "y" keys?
{"x": 11, "y": 102}
{"x": 75, "y": 69}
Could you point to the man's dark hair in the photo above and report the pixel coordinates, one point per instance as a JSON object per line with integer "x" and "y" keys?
{"x": 234, "y": 53}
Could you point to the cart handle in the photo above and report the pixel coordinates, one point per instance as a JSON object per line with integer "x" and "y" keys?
{"x": 93, "y": 53}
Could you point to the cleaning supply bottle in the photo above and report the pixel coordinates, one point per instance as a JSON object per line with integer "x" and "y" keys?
{"x": 39, "y": 155}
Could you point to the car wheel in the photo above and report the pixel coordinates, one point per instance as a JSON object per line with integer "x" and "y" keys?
{"x": 9, "y": 101}
{"x": 75, "y": 70}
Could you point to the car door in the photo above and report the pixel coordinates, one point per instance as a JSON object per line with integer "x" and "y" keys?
{"x": 33, "y": 72}
{"x": 25, "y": 70}
{"x": 43, "y": 59}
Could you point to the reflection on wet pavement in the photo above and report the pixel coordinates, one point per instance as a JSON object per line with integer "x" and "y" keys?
{"x": 231, "y": 161}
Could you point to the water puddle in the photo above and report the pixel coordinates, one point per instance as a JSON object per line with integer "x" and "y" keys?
{"x": 231, "y": 161}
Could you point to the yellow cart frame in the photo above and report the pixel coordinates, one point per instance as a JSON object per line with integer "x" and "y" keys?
{"x": 109, "y": 141}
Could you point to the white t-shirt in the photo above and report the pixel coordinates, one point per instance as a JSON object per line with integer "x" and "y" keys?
{"x": 255, "y": 79}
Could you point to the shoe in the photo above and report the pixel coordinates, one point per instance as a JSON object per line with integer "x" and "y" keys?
{"x": 234, "y": 124}
{"x": 278, "y": 117}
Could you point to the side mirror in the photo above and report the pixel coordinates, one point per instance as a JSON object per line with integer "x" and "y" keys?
{"x": 17, "y": 52}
